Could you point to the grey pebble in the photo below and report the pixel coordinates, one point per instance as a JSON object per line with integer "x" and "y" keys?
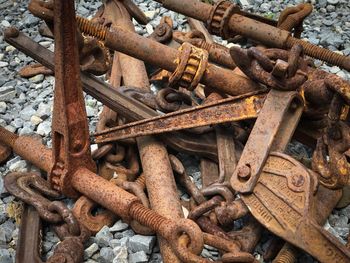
{"x": 44, "y": 128}
{"x": 5, "y": 256}
{"x": 106, "y": 255}
{"x": 103, "y": 237}
{"x": 118, "y": 226}
{"x": 36, "y": 79}
{"x": 142, "y": 243}
{"x": 121, "y": 254}
{"x": 119, "y": 242}
{"x": 92, "y": 249}
{"x": 138, "y": 257}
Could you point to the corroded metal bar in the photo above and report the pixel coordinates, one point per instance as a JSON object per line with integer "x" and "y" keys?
{"x": 238, "y": 23}
{"x": 157, "y": 170}
{"x": 166, "y": 57}
{"x": 125, "y": 106}
{"x": 226, "y": 110}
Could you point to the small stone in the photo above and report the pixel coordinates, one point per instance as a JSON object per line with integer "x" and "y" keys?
{"x": 25, "y": 131}
{"x": 36, "y": 79}
{"x": 44, "y": 128}
{"x": 142, "y": 243}
{"x": 10, "y": 48}
{"x": 43, "y": 110}
{"x": 3, "y": 64}
{"x": 265, "y": 7}
{"x": 5, "y": 23}
{"x": 3, "y": 107}
{"x": 3, "y": 239}
{"x": 119, "y": 242}
{"x": 27, "y": 113}
{"x": 17, "y": 123}
{"x": 47, "y": 245}
{"x": 149, "y": 29}
{"x": 138, "y": 257}
{"x": 150, "y": 14}
{"x": 332, "y": 2}
{"x": 127, "y": 233}
{"x": 20, "y": 166}
{"x": 121, "y": 254}
{"x": 7, "y": 93}
{"x": 91, "y": 112}
{"x": 5, "y": 256}
{"x": 118, "y": 226}
{"x": 88, "y": 252}
{"x": 103, "y": 237}
{"x": 106, "y": 255}
{"x": 334, "y": 69}
{"x": 35, "y": 120}
{"x": 3, "y": 215}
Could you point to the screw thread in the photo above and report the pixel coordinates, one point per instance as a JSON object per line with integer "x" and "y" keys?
{"x": 141, "y": 181}
{"x": 288, "y": 254}
{"x": 92, "y": 29}
{"x": 320, "y": 53}
{"x": 7, "y": 137}
{"x": 146, "y": 216}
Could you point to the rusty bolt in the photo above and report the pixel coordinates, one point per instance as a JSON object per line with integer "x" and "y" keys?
{"x": 244, "y": 172}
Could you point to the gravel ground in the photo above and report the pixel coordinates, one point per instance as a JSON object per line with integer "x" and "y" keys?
{"x": 25, "y": 108}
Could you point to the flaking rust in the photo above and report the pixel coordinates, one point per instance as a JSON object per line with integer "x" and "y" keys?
{"x": 235, "y": 110}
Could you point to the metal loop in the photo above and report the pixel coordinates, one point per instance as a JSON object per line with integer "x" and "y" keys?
{"x": 67, "y": 217}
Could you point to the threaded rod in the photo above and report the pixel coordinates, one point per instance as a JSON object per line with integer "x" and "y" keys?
{"x": 320, "y": 53}
{"x": 92, "y": 29}
{"x": 288, "y": 254}
{"x": 146, "y": 216}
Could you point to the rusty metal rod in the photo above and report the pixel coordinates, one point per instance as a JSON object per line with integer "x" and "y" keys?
{"x": 117, "y": 101}
{"x": 253, "y": 29}
{"x": 159, "y": 178}
{"x": 106, "y": 193}
{"x": 165, "y": 57}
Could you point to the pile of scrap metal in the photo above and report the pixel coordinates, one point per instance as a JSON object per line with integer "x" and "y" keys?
{"x": 235, "y": 109}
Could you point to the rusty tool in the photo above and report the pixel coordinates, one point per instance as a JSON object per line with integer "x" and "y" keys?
{"x": 156, "y": 167}
{"x": 274, "y": 126}
{"x": 124, "y": 105}
{"x": 291, "y": 189}
{"x": 189, "y": 65}
{"x": 226, "y": 20}
{"x": 82, "y": 179}
{"x": 236, "y": 108}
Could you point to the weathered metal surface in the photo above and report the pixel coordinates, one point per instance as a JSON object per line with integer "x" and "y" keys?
{"x": 167, "y": 58}
{"x": 273, "y": 190}
{"x": 289, "y": 217}
{"x": 273, "y": 129}
{"x": 29, "y": 238}
{"x": 125, "y": 106}
{"x": 226, "y": 110}
{"x": 238, "y": 24}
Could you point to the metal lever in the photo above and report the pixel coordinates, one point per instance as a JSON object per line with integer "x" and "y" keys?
{"x": 273, "y": 129}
